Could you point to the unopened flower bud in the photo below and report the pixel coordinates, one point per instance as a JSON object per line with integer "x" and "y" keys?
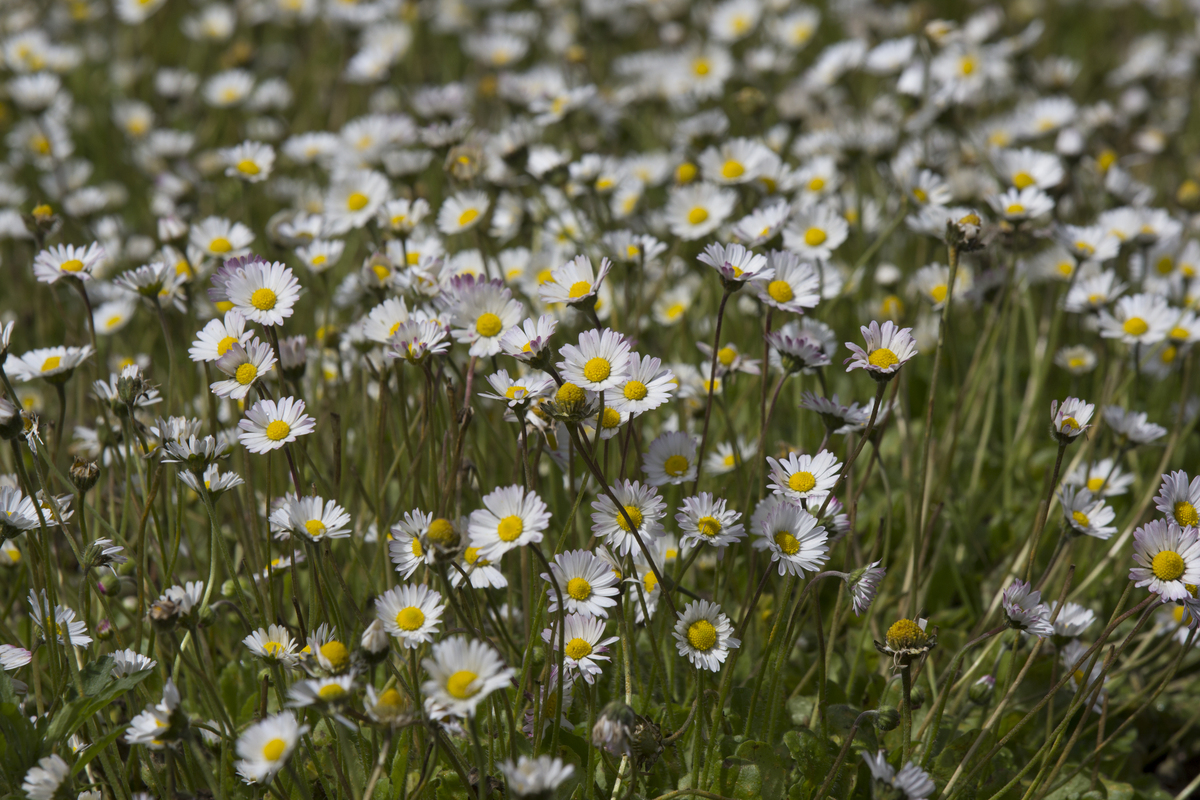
{"x": 109, "y": 584}
{"x": 375, "y": 641}
{"x": 105, "y": 630}
{"x": 981, "y": 691}
{"x": 614, "y": 728}
{"x": 84, "y": 474}
{"x": 887, "y": 719}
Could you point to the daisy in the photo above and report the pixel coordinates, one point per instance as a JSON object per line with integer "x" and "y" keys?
{"x": 1085, "y": 513}
{"x": 483, "y": 311}
{"x": 1093, "y": 292}
{"x": 529, "y": 340}
{"x": 587, "y": 583}
{"x": 243, "y": 365}
{"x": 265, "y": 746}
{"x": 645, "y": 509}
{"x": 793, "y": 350}
{"x": 353, "y": 199}
{"x": 1077, "y": 359}
{"x": 482, "y": 573}
{"x": 1178, "y": 499}
{"x": 461, "y": 212}
{"x": 1134, "y": 426}
{"x": 912, "y": 782}
{"x": 1138, "y": 319}
{"x": 1168, "y": 559}
{"x": 1028, "y": 167}
{"x": 111, "y": 317}
{"x": 696, "y": 210}
{"x": 511, "y": 518}
{"x": 907, "y": 639}
{"x": 795, "y": 541}
{"x": 262, "y": 292}
{"x": 1022, "y": 204}
{"x": 762, "y": 224}
{"x": 415, "y": 341}
{"x": 705, "y": 519}
{"x": 219, "y": 335}
{"x": 1070, "y": 419}
{"x": 735, "y": 263}
{"x": 249, "y": 161}
{"x": 320, "y": 255}
{"x": 520, "y": 390}
{"x": 793, "y": 286}
{"x": 17, "y": 512}
{"x": 583, "y": 644}
{"x": 316, "y": 520}
{"x": 574, "y": 283}
{"x": 725, "y": 458}
{"x": 535, "y": 777}
{"x": 671, "y": 458}
{"x": 273, "y": 644}
{"x": 1104, "y": 478}
{"x": 863, "y": 584}
{"x": 803, "y": 478}
{"x": 68, "y": 261}
{"x": 735, "y": 161}
{"x": 385, "y": 319}
{"x": 160, "y": 724}
{"x": 221, "y": 238}
{"x": 462, "y": 673}
{"x": 410, "y": 613}
{"x": 1089, "y": 243}
{"x": 1072, "y": 620}
{"x": 321, "y": 692}
{"x": 269, "y": 425}
{"x": 704, "y": 635}
{"x": 814, "y": 233}
{"x": 889, "y": 347}
{"x": 600, "y": 361}
{"x": 1025, "y": 610}
{"x": 12, "y": 657}
{"x": 54, "y": 364}
{"x": 646, "y": 386}
{"x": 42, "y": 782}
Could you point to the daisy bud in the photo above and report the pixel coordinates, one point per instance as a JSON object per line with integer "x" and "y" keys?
{"x": 614, "y": 728}
{"x": 105, "y": 630}
{"x": 964, "y": 232}
{"x": 375, "y": 642}
{"x": 888, "y": 719}
{"x": 109, "y": 584}
{"x": 84, "y": 474}
{"x": 981, "y": 691}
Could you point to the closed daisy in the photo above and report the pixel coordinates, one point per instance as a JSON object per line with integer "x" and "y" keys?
{"x": 793, "y": 285}
{"x": 462, "y": 673}
{"x": 462, "y": 212}
{"x": 529, "y": 340}
{"x": 244, "y": 366}
{"x": 1168, "y": 559}
{"x": 574, "y": 283}
{"x": 588, "y": 583}
{"x": 703, "y": 634}
{"x": 264, "y": 293}
{"x": 511, "y": 518}
{"x": 704, "y": 519}
{"x": 599, "y": 362}
{"x": 644, "y": 508}
{"x": 671, "y": 459}
{"x": 67, "y": 261}
{"x": 1025, "y": 610}
{"x": 911, "y": 782}
{"x": 735, "y": 263}
{"x": 889, "y": 347}
{"x": 1134, "y": 427}
{"x": 792, "y": 536}
{"x": 410, "y": 613}
{"x": 1179, "y": 500}
{"x": 804, "y": 478}
{"x": 646, "y": 386}
{"x": 269, "y": 425}
{"x": 265, "y": 746}
{"x": 584, "y": 645}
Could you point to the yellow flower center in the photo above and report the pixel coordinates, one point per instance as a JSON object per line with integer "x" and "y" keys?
{"x": 248, "y": 167}
{"x": 882, "y": 358}
{"x": 53, "y": 362}
{"x": 1015, "y": 208}
{"x": 780, "y": 291}
{"x": 472, "y": 557}
{"x": 1167, "y": 566}
{"x": 316, "y": 528}
{"x": 732, "y": 169}
{"x": 1023, "y": 180}
{"x": 569, "y": 395}
{"x": 488, "y": 325}
{"x": 787, "y": 543}
{"x": 701, "y": 66}
{"x": 273, "y": 750}
{"x": 611, "y": 419}
{"x": 1070, "y": 424}
{"x": 697, "y": 215}
{"x": 246, "y": 374}
{"x": 650, "y": 582}
{"x": 597, "y": 369}
{"x": 391, "y": 699}
{"x": 272, "y": 649}
{"x": 702, "y": 635}
{"x": 802, "y": 482}
{"x": 73, "y": 265}
{"x": 814, "y": 237}
{"x": 578, "y": 648}
{"x": 1135, "y": 326}
{"x": 510, "y": 528}
{"x": 382, "y": 271}
{"x": 816, "y": 184}
{"x": 1185, "y": 514}
{"x": 939, "y": 292}
{"x": 459, "y": 684}
{"x": 905, "y": 634}
{"x": 417, "y": 550}
{"x": 635, "y": 390}
{"x": 278, "y": 430}
{"x": 220, "y": 245}
{"x": 920, "y": 194}
{"x": 357, "y": 201}
{"x": 467, "y": 217}
{"x": 515, "y": 392}
{"x": 1168, "y": 354}
{"x": 726, "y": 355}
{"x": 263, "y": 299}
{"x": 685, "y": 172}
{"x": 336, "y": 654}
{"x": 1165, "y": 265}
{"x": 1080, "y": 518}
{"x": 966, "y": 65}
{"x": 634, "y": 513}
{"x": 708, "y": 526}
{"x": 1094, "y": 484}
{"x": 675, "y": 465}
{"x": 410, "y": 619}
{"x": 579, "y": 589}
{"x": 579, "y": 289}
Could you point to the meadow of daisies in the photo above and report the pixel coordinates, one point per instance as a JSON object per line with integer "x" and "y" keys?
{"x": 603, "y": 399}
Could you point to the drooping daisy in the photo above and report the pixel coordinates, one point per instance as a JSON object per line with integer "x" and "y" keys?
{"x": 646, "y": 386}
{"x": 535, "y": 777}
{"x": 12, "y": 657}
{"x": 1179, "y": 500}
{"x": 574, "y": 283}
{"x": 263, "y": 293}
{"x": 1087, "y": 514}
{"x": 703, "y": 634}
{"x": 671, "y": 458}
{"x": 249, "y": 161}
{"x": 316, "y": 520}
{"x": 804, "y": 478}
{"x": 265, "y": 746}
{"x": 1138, "y": 319}
{"x": 889, "y": 347}
{"x": 599, "y": 362}
{"x": 483, "y": 311}
{"x": 67, "y": 261}
{"x": 1073, "y": 619}
{"x": 462, "y": 673}
{"x": 54, "y": 364}
{"x": 218, "y": 237}
{"x": 705, "y": 519}
{"x": 644, "y": 507}
{"x": 792, "y": 536}
{"x": 583, "y": 644}
{"x": 269, "y": 425}
{"x": 814, "y": 233}
{"x": 912, "y": 782}
{"x": 273, "y": 644}
{"x": 411, "y": 613}
{"x": 1168, "y": 559}
{"x": 244, "y": 366}
{"x": 1133, "y": 426}
{"x": 42, "y": 781}
{"x": 511, "y": 517}
{"x": 793, "y": 286}
{"x": 863, "y": 584}
{"x": 587, "y": 583}
{"x": 1025, "y": 610}
{"x": 696, "y": 210}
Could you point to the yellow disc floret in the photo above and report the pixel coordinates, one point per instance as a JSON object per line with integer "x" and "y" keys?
{"x": 702, "y": 635}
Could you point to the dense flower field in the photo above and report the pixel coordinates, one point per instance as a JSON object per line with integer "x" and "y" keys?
{"x": 603, "y": 399}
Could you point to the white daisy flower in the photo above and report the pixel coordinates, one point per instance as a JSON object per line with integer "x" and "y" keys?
{"x": 735, "y": 263}
{"x": 889, "y": 347}
{"x": 483, "y": 311}
{"x": 793, "y": 286}
{"x": 1134, "y": 426}
{"x": 1085, "y": 513}
{"x": 797, "y": 543}
{"x": 353, "y": 199}
{"x": 520, "y": 390}
{"x": 1025, "y": 610}
{"x": 263, "y": 293}
{"x": 14, "y": 657}
{"x": 265, "y": 746}
{"x": 1104, "y": 478}
{"x": 1138, "y": 319}
{"x": 599, "y": 362}
{"x": 219, "y": 335}
{"x": 1178, "y": 499}
{"x": 316, "y": 520}
{"x": 511, "y": 518}
{"x": 411, "y": 613}
{"x": 535, "y": 777}
{"x": 269, "y": 425}
{"x": 220, "y": 238}
{"x": 160, "y": 724}
{"x": 814, "y": 233}
{"x": 42, "y": 782}
{"x": 54, "y": 364}
{"x": 385, "y": 320}
{"x": 68, "y": 261}
{"x": 911, "y": 781}
{"x": 574, "y": 283}
{"x": 1168, "y": 557}
{"x": 583, "y": 644}
{"x": 704, "y": 519}
{"x": 703, "y": 634}
{"x": 249, "y": 161}
{"x": 461, "y": 212}
{"x": 587, "y": 583}
{"x": 735, "y": 161}
{"x": 462, "y": 673}
{"x": 319, "y": 692}
{"x": 803, "y": 478}
{"x": 1022, "y": 204}
{"x": 1073, "y": 619}
{"x": 482, "y": 574}
{"x": 644, "y": 507}
{"x": 1070, "y": 419}
{"x": 646, "y": 386}
{"x": 273, "y": 644}
{"x": 671, "y": 458}
{"x": 244, "y": 366}
{"x": 527, "y": 341}
{"x": 65, "y": 624}
{"x": 696, "y": 210}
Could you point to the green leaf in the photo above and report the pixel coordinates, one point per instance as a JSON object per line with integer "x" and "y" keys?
{"x": 811, "y": 756}
{"x": 76, "y": 712}
{"x": 95, "y": 675}
{"x": 95, "y": 749}
{"x": 1116, "y": 790}
{"x": 771, "y": 770}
